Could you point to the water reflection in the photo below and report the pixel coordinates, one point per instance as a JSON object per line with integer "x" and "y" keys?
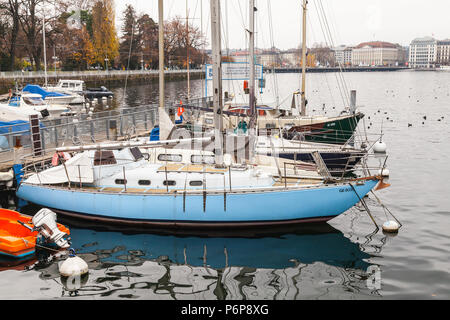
{"x": 302, "y": 262}
{"x": 306, "y": 263}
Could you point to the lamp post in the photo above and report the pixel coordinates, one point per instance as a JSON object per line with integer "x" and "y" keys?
{"x": 106, "y": 63}
{"x": 55, "y": 58}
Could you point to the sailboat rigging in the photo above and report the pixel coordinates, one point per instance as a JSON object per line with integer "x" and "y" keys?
{"x": 116, "y": 184}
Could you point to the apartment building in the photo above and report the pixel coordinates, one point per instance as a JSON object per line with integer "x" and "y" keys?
{"x": 443, "y": 52}
{"x": 376, "y": 53}
{"x": 423, "y": 53}
{"x": 343, "y": 55}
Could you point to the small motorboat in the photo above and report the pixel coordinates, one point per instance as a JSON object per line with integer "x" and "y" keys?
{"x": 21, "y": 105}
{"x": 54, "y": 97}
{"x": 21, "y": 234}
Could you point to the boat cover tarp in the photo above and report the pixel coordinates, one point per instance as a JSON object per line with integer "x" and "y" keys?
{"x": 79, "y": 169}
{"x": 14, "y": 126}
{"x": 31, "y": 88}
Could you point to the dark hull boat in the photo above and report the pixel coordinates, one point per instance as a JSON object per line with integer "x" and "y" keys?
{"x": 338, "y": 159}
{"x": 338, "y": 163}
{"x": 332, "y": 131}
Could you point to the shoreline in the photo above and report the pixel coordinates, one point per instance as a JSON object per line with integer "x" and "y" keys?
{"x": 92, "y": 79}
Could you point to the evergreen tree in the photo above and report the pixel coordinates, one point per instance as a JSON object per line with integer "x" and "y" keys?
{"x": 130, "y": 50}
{"x": 148, "y": 36}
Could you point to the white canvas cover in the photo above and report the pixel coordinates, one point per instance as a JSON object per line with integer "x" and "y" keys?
{"x": 79, "y": 169}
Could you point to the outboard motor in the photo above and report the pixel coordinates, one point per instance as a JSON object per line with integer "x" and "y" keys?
{"x": 45, "y": 223}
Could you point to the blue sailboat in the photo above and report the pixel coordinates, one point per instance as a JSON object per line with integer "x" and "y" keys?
{"x": 114, "y": 183}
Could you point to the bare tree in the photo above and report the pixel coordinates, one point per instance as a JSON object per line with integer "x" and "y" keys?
{"x": 10, "y": 21}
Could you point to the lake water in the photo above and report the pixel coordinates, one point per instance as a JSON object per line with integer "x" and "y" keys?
{"x": 343, "y": 259}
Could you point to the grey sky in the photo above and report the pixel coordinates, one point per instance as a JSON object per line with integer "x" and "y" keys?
{"x": 351, "y": 21}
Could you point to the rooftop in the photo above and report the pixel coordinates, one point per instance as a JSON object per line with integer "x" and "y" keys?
{"x": 376, "y": 44}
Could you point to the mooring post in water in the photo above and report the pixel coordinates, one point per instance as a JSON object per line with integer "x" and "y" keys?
{"x": 145, "y": 121}
{"x": 109, "y": 101}
{"x": 100, "y": 102}
{"x": 351, "y": 141}
{"x": 353, "y": 101}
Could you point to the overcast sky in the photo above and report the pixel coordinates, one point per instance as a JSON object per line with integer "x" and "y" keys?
{"x": 350, "y": 21}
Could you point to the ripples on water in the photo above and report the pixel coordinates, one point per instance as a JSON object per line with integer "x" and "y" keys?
{"x": 334, "y": 261}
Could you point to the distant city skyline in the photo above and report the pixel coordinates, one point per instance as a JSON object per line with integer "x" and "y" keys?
{"x": 350, "y": 21}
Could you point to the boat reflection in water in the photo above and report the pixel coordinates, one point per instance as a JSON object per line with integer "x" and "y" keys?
{"x": 302, "y": 263}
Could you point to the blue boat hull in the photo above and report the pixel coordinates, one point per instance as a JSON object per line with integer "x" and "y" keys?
{"x": 213, "y": 210}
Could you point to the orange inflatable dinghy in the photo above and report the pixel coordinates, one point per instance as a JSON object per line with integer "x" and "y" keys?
{"x": 17, "y": 241}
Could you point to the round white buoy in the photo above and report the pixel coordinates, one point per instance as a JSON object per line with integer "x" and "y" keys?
{"x": 74, "y": 272}
{"x": 73, "y": 266}
{"x": 383, "y": 172}
{"x": 380, "y": 147}
{"x": 391, "y": 226}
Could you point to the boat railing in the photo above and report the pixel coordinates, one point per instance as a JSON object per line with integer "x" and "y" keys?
{"x": 84, "y": 128}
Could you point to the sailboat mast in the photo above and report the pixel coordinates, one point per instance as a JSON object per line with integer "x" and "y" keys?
{"x": 217, "y": 79}
{"x": 161, "y": 54}
{"x": 251, "y": 85}
{"x": 45, "y": 51}
{"x": 188, "y": 58}
{"x": 303, "y": 91}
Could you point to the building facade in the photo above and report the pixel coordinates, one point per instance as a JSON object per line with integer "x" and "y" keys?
{"x": 291, "y": 58}
{"x": 443, "y": 52}
{"x": 343, "y": 55}
{"x": 423, "y": 53}
{"x": 376, "y": 53}
{"x": 269, "y": 59}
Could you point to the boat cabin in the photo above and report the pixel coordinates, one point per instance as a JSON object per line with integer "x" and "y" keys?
{"x": 71, "y": 85}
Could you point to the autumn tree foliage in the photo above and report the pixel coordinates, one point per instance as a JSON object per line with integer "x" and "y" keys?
{"x": 104, "y": 38}
{"x": 94, "y": 40}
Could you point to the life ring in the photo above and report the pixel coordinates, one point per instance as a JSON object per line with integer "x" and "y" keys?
{"x": 57, "y": 156}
